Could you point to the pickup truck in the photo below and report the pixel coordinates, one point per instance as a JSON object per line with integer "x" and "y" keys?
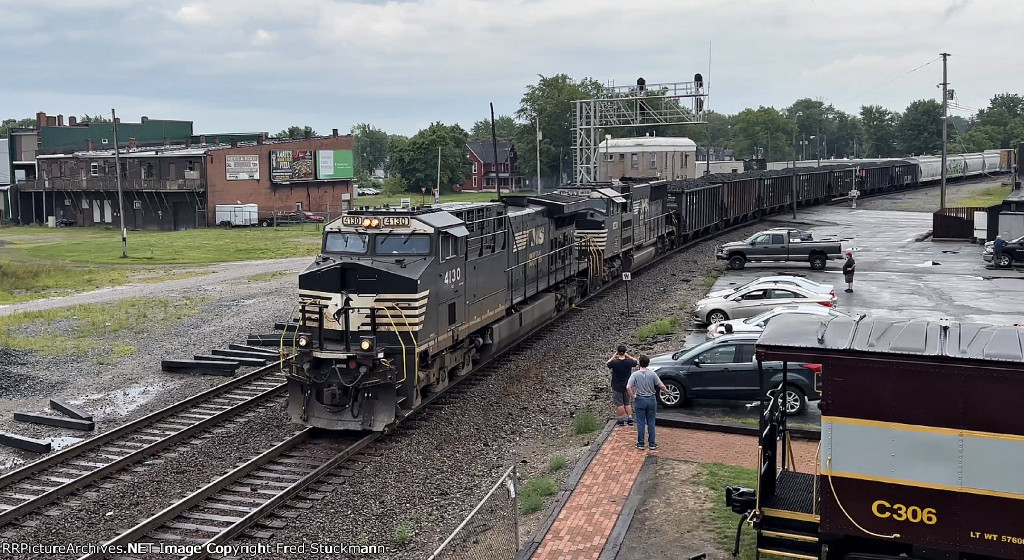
{"x": 780, "y": 246}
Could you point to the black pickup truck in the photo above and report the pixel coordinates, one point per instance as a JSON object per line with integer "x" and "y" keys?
{"x": 779, "y": 245}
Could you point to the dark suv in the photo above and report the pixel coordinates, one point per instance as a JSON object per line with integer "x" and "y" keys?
{"x": 724, "y": 368}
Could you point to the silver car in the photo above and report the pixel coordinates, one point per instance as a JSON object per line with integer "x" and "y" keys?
{"x": 779, "y": 280}
{"x": 752, "y": 300}
{"x": 757, "y": 323}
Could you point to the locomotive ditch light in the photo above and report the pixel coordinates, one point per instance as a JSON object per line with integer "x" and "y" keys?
{"x": 303, "y": 342}
{"x": 366, "y": 343}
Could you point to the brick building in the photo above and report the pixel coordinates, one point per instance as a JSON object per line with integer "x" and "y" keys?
{"x": 177, "y": 186}
{"x": 485, "y": 172}
{"x": 290, "y": 174}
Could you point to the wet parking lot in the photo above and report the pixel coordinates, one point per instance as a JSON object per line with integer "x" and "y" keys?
{"x": 900, "y": 275}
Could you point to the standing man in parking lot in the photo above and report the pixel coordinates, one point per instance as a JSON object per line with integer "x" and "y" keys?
{"x": 997, "y": 249}
{"x": 643, "y": 386}
{"x": 848, "y": 269}
{"x": 622, "y": 365}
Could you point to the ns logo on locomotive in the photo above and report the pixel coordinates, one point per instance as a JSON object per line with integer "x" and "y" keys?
{"x": 404, "y": 301}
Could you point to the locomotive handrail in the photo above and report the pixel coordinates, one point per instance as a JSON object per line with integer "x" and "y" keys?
{"x": 405, "y": 363}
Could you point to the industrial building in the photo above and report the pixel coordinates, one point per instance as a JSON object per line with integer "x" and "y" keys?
{"x": 662, "y": 157}
{"x": 170, "y": 178}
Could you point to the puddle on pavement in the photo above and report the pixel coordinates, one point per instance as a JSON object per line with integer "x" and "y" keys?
{"x": 124, "y": 401}
{"x": 62, "y": 442}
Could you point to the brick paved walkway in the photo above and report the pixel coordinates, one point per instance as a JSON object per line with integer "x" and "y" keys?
{"x": 731, "y": 449}
{"x": 582, "y": 527}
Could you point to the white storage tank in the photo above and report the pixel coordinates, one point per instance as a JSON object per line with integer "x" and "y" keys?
{"x": 232, "y": 215}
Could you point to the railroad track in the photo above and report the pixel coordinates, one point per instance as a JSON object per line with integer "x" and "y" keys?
{"x": 202, "y": 522}
{"x": 27, "y": 489}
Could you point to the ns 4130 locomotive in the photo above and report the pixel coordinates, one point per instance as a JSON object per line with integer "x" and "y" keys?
{"x": 403, "y": 301}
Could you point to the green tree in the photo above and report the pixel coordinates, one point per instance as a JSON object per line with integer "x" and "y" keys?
{"x": 879, "y": 125}
{"x": 550, "y": 100}
{"x": 919, "y": 130}
{"x": 505, "y": 128}
{"x": 395, "y": 185}
{"x": 761, "y": 133}
{"x": 416, "y": 158}
{"x": 1012, "y": 103}
{"x": 97, "y": 118}
{"x": 8, "y": 124}
{"x": 298, "y": 131}
{"x": 370, "y": 148}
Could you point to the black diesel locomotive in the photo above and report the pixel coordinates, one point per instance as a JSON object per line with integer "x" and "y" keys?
{"x": 403, "y": 301}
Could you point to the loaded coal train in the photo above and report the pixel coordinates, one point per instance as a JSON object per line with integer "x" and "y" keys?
{"x": 404, "y": 301}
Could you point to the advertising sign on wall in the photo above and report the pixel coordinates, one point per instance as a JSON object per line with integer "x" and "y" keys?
{"x": 242, "y": 167}
{"x": 334, "y": 164}
{"x": 291, "y": 165}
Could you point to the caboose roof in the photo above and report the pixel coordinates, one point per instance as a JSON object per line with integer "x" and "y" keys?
{"x": 789, "y": 335}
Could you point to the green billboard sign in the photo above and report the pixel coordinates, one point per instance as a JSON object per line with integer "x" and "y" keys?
{"x": 334, "y": 164}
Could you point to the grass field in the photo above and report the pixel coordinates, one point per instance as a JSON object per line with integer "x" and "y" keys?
{"x": 84, "y": 328}
{"x": 992, "y": 195}
{"x": 722, "y": 520}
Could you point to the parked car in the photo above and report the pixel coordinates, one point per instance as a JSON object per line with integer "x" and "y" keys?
{"x": 367, "y": 191}
{"x": 1013, "y": 251}
{"x": 755, "y": 299}
{"x": 724, "y": 368}
{"x": 777, "y": 245}
{"x": 757, "y": 323}
{"x": 779, "y": 280}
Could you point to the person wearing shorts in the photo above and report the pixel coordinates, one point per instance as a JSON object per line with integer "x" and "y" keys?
{"x": 622, "y": 365}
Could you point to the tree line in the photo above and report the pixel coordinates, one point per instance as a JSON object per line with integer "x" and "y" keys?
{"x": 807, "y": 129}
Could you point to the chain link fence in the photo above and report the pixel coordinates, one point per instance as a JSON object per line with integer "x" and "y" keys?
{"x": 491, "y": 530}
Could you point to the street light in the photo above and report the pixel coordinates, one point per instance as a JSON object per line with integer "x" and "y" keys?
{"x": 817, "y": 148}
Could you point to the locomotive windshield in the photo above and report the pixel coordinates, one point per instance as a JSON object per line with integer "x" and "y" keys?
{"x": 409, "y": 244}
{"x": 341, "y": 242}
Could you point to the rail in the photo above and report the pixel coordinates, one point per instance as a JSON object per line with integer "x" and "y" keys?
{"x": 115, "y": 449}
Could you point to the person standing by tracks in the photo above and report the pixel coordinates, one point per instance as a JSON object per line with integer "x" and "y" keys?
{"x": 622, "y": 365}
{"x": 643, "y": 385}
{"x": 848, "y": 269}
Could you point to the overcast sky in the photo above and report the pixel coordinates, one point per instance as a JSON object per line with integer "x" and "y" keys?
{"x": 261, "y": 65}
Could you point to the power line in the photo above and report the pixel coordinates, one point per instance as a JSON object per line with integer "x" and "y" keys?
{"x": 934, "y": 60}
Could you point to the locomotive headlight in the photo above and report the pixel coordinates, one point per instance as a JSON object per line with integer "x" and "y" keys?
{"x": 303, "y": 342}
{"x": 375, "y": 222}
{"x": 366, "y": 222}
{"x": 366, "y": 343}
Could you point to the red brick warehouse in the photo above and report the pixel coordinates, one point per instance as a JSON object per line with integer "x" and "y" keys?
{"x": 282, "y": 175}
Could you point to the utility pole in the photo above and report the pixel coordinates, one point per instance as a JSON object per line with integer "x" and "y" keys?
{"x": 120, "y": 195}
{"x": 945, "y": 104}
{"x": 437, "y": 195}
{"x": 494, "y": 145}
{"x": 538, "y": 153}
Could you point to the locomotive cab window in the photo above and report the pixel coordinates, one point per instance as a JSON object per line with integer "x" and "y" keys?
{"x": 409, "y": 244}
{"x": 342, "y": 242}
{"x": 450, "y": 246}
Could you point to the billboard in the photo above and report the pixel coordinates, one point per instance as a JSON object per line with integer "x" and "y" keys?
{"x": 291, "y": 165}
{"x": 334, "y": 164}
{"x": 242, "y": 167}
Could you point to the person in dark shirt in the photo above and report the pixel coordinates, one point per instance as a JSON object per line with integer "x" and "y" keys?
{"x": 848, "y": 269}
{"x": 997, "y": 249}
{"x": 622, "y": 365}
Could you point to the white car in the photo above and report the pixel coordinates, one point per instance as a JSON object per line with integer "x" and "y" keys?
{"x": 757, "y": 323}
{"x": 783, "y": 280}
{"x": 756, "y": 299}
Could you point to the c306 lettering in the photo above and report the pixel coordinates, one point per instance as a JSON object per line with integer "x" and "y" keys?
{"x": 900, "y": 512}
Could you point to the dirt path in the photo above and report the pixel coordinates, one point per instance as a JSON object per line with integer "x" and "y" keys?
{"x": 207, "y": 283}
{"x": 927, "y": 199}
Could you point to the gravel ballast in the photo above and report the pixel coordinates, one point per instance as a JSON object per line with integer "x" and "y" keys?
{"x": 429, "y": 474}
